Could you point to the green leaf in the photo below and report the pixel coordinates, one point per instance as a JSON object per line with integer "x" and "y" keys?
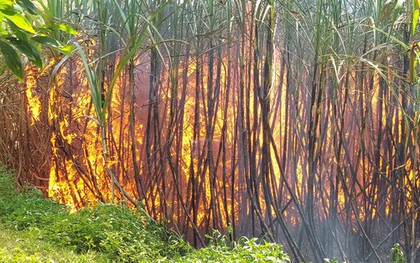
{"x": 66, "y": 50}
{"x": 65, "y": 28}
{"x": 2, "y": 69}
{"x": 2, "y": 30}
{"x": 94, "y": 89}
{"x": 47, "y": 41}
{"x": 22, "y": 35}
{"x": 28, "y": 5}
{"x": 6, "y": 5}
{"x": 28, "y": 50}
{"x": 414, "y": 21}
{"x": 412, "y": 74}
{"x": 20, "y": 21}
{"x": 12, "y": 60}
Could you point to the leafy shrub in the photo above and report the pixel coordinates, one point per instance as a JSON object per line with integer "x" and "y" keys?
{"x": 26, "y": 211}
{"x": 27, "y": 197}
{"x": 397, "y": 255}
{"x": 243, "y": 250}
{"x": 23, "y": 209}
{"x": 111, "y": 229}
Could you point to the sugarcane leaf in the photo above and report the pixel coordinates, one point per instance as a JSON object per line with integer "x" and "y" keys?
{"x": 413, "y": 60}
{"x": 94, "y": 89}
{"x": 415, "y": 20}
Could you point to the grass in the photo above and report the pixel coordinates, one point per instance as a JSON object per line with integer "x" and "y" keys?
{"x": 34, "y": 229}
{"x": 16, "y": 247}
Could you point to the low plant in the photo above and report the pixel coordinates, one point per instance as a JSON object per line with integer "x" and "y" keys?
{"x": 397, "y": 255}
{"x": 243, "y": 250}
{"x": 115, "y": 230}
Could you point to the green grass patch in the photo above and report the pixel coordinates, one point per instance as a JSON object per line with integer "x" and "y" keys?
{"x": 16, "y": 247}
{"x": 35, "y": 229}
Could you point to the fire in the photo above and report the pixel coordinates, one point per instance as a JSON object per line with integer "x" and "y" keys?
{"x": 34, "y": 103}
{"x": 179, "y": 149}
{"x": 243, "y": 126}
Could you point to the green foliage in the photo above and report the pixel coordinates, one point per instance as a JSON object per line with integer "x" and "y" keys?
{"x": 22, "y": 210}
{"x": 415, "y": 16}
{"x": 113, "y": 230}
{"x": 17, "y": 256}
{"x": 327, "y": 260}
{"x": 243, "y": 250}
{"x": 23, "y": 247}
{"x": 7, "y": 188}
{"x": 397, "y": 255}
{"x": 29, "y": 211}
{"x": 21, "y": 32}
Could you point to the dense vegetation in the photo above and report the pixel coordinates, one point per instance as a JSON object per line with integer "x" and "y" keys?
{"x": 44, "y": 231}
{"x": 293, "y": 120}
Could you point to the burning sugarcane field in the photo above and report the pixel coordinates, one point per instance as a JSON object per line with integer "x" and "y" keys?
{"x": 210, "y": 130}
